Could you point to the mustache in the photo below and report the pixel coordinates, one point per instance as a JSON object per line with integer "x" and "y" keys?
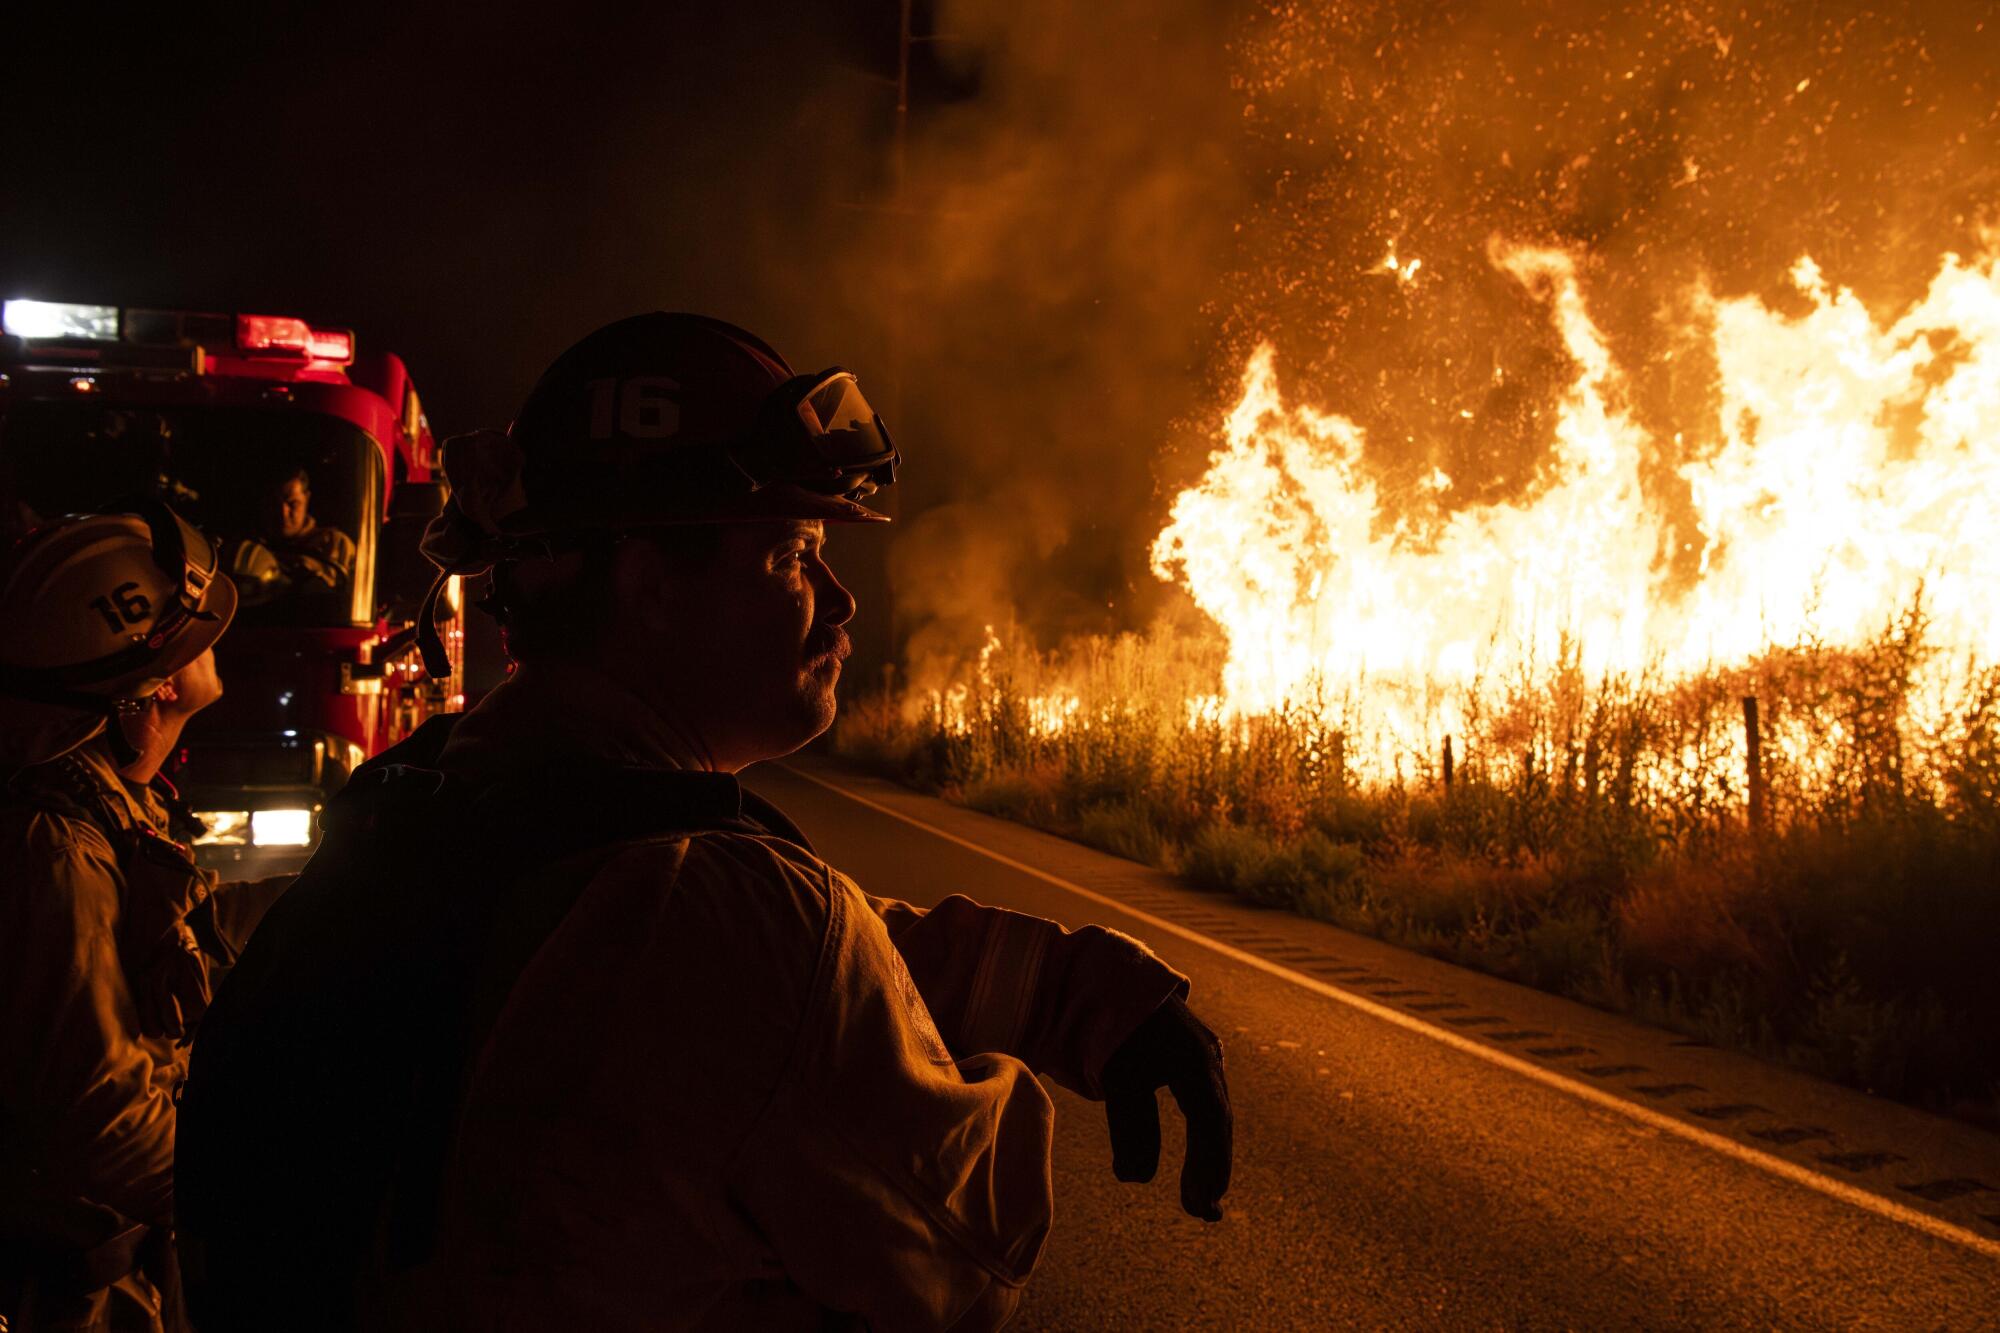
{"x": 828, "y": 641}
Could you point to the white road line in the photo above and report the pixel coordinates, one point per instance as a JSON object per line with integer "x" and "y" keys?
{"x": 1762, "y": 1161}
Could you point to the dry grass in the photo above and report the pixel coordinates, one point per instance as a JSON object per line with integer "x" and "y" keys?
{"x": 1594, "y": 840}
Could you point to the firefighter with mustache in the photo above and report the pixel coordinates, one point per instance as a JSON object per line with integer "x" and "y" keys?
{"x": 612, "y": 1047}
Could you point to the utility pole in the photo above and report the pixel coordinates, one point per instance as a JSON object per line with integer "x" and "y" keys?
{"x": 899, "y": 216}
{"x": 899, "y": 296}
{"x": 899, "y": 167}
{"x": 902, "y": 91}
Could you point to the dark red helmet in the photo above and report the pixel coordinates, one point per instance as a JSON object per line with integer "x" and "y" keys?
{"x": 677, "y": 418}
{"x": 657, "y": 419}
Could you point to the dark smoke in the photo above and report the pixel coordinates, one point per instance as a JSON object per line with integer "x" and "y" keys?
{"x": 1057, "y": 268}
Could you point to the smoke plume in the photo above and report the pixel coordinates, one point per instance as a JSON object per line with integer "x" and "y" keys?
{"x": 1118, "y": 206}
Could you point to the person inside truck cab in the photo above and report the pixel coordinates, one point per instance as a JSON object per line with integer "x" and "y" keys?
{"x": 312, "y": 554}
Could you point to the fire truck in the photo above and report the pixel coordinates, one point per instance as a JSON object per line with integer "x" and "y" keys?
{"x": 311, "y": 464}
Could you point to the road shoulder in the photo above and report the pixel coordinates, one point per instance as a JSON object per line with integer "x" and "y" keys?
{"x": 1937, "y": 1174}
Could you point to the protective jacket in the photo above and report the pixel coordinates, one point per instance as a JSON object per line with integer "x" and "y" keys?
{"x": 322, "y": 555}
{"x": 86, "y": 1099}
{"x": 726, "y": 1089}
{"x": 733, "y": 1091}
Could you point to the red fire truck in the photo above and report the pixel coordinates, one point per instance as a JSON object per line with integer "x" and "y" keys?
{"x": 311, "y": 463}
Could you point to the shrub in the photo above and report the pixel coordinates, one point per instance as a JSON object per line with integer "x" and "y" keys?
{"x": 1901, "y": 1046}
{"x": 1594, "y": 839}
{"x": 1567, "y": 953}
{"x": 1309, "y": 865}
{"x": 1433, "y": 893}
{"x": 1236, "y": 859}
{"x": 1225, "y": 857}
{"x": 1127, "y": 829}
{"x": 1029, "y": 796}
{"x": 1694, "y": 920}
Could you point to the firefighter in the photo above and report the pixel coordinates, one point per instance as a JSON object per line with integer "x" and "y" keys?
{"x": 312, "y": 554}
{"x": 107, "y": 928}
{"x": 564, "y": 1029}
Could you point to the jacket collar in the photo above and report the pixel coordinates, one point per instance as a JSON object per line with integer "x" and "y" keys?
{"x": 560, "y": 715}
{"x": 89, "y": 775}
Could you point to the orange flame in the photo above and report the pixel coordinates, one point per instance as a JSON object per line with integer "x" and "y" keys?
{"x": 1859, "y": 464}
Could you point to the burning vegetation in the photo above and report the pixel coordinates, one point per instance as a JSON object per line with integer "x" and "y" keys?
{"x": 1633, "y": 626}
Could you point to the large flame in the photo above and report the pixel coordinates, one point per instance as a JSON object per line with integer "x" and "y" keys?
{"x": 1858, "y": 468}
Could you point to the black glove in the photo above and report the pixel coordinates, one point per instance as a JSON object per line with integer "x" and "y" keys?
{"x": 1174, "y": 1049}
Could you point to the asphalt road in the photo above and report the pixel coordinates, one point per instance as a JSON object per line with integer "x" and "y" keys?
{"x": 1423, "y": 1147}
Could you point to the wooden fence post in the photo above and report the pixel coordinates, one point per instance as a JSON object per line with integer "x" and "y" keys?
{"x": 1753, "y": 741}
{"x": 1591, "y": 757}
{"x": 1447, "y": 763}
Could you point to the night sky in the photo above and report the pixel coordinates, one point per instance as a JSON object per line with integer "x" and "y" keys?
{"x": 472, "y": 186}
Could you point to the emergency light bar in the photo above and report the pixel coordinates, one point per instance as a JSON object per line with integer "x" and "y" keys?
{"x": 281, "y": 333}
{"x": 253, "y": 335}
{"x": 60, "y": 319}
{"x": 269, "y": 333}
{"x": 331, "y": 345}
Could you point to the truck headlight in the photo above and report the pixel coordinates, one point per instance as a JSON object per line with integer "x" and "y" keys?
{"x": 281, "y": 828}
{"x": 226, "y": 828}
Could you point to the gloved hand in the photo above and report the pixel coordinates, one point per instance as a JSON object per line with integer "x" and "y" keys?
{"x": 1174, "y": 1049}
{"x": 163, "y": 964}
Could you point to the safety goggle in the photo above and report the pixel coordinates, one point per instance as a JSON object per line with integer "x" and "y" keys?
{"x": 819, "y": 432}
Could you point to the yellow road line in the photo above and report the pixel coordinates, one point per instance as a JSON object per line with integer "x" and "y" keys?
{"x": 1753, "y": 1157}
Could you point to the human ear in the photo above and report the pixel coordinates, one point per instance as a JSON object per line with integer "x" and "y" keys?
{"x": 648, "y": 588}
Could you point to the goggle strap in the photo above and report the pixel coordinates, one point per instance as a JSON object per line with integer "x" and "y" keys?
{"x": 167, "y": 532}
{"x": 766, "y": 462}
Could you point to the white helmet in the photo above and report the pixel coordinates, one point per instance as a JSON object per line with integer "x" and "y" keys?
{"x": 96, "y": 611}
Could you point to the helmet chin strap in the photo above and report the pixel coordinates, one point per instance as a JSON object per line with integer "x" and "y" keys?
{"x": 122, "y": 748}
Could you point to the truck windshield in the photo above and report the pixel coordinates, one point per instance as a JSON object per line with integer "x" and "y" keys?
{"x": 291, "y": 496}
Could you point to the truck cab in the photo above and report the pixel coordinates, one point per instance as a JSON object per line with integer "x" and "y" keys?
{"x": 311, "y": 464}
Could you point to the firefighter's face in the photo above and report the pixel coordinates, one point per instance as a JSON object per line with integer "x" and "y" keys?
{"x": 294, "y": 502}
{"x": 750, "y": 647}
{"x": 155, "y": 731}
